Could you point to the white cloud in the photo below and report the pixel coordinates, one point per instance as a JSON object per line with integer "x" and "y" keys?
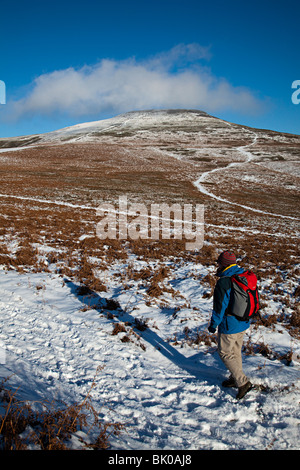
{"x": 173, "y": 79}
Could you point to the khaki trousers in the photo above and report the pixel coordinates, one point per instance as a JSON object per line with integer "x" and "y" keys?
{"x": 230, "y": 351}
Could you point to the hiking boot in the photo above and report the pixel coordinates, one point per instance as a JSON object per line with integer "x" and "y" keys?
{"x": 243, "y": 390}
{"x": 229, "y": 382}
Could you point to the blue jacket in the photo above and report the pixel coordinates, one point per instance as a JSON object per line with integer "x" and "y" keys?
{"x": 221, "y": 317}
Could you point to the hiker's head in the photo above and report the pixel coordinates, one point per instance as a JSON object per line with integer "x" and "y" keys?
{"x": 226, "y": 259}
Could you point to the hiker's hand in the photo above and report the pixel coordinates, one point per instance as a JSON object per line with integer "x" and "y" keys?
{"x": 211, "y": 329}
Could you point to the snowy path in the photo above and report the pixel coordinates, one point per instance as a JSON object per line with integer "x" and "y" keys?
{"x": 169, "y": 397}
{"x": 199, "y": 183}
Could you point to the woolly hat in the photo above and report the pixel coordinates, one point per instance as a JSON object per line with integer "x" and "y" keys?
{"x": 226, "y": 258}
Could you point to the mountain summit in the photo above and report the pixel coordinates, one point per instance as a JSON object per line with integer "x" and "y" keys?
{"x": 122, "y": 125}
{"x": 134, "y": 123}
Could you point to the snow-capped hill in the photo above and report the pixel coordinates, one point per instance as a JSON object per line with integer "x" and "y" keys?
{"x": 131, "y": 122}
{"x": 128, "y": 123}
{"x": 153, "y": 123}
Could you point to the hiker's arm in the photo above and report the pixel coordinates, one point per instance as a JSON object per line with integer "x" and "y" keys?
{"x": 220, "y": 301}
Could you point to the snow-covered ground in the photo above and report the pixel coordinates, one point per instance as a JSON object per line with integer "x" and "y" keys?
{"x": 164, "y": 388}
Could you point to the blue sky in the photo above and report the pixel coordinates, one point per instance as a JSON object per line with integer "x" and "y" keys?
{"x": 67, "y": 62}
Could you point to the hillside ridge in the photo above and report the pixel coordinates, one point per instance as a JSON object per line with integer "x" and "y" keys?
{"x": 186, "y": 120}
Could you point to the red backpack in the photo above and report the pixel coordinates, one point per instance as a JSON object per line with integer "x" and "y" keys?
{"x": 244, "y": 302}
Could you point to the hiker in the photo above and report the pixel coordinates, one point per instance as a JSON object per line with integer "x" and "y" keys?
{"x": 230, "y": 329}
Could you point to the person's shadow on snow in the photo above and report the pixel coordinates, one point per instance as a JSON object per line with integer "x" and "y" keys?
{"x": 116, "y": 314}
